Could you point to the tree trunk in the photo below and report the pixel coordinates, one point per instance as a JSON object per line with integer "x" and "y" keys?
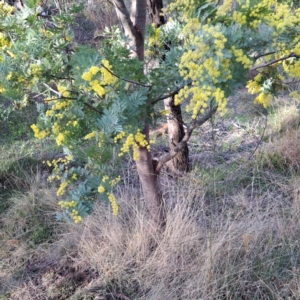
{"x": 176, "y": 133}
{"x": 175, "y": 124}
{"x": 150, "y": 183}
{"x": 155, "y": 12}
{"x": 134, "y": 28}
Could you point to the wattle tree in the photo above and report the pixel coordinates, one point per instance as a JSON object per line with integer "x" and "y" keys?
{"x": 101, "y": 101}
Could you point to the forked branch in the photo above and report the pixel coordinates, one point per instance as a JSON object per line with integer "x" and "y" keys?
{"x": 196, "y": 123}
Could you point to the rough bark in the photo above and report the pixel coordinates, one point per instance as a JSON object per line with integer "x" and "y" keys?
{"x": 155, "y": 8}
{"x": 196, "y": 123}
{"x": 150, "y": 184}
{"x": 180, "y": 162}
{"x": 134, "y": 27}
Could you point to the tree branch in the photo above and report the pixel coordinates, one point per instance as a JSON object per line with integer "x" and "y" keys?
{"x": 274, "y": 61}
{"x": 124, "y": 17}
{"x": 196, "y": 123}
{"x": 70, "y": 98}
{"x": 262, "y": 55}
{"x": 92, "y": 108}
{"x": 159, "y": 98}
{"x": 127, "y": 80}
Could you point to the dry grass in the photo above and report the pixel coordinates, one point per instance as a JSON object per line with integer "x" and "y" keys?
{"x": 248, "y": 251}
{"x": 282, "y": 151}
{"x": 27, "y": 227}
{"x": 251, "y": 252}
{"x": 102, "y": 13}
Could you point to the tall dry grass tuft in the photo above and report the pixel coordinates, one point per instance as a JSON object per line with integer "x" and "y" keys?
{"x": 250, "y": 251}
{"x": 27, "y": 227}
{"x": 102, "y": 13}
{"x": 282, "y": 152}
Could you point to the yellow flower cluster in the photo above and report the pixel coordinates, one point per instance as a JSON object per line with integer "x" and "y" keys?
{"x": 39, "y": 134}
{"x": 34, "y": 69}
{"x": 49, "y": 113}
{"x": 111, "y": 197}
{"x": 105, "y": 178}
{"x": 241, "y": 57}
{"x": 239, "y": 17}
{"x": 90, "y": 135}
{"x": 254, "y": 86}
{"x": 2, "y": 89}
{"x": 113, "y": 203}
{"x": 119, "y": 136}
{"x": 4, "y": 41}
{"x": 256, "y": 12}
{"x": 106, "y": 78}
{"x": 67, "y": 204}
{"x": 55, "y": 128}
{"x": 134, "y": 141}
{"x": 62, "y": 188}
{"x": 87, "y": 76}
{"x": 201, "y": 95}
{"x": 60, "y": 104}
{"x": 206, "y": 67}
{"x": 60, "y": 136}
{"x": 100, "y": 140}
{"x": 296, "y": 49}
{"x": 263, "y": 99}
{"x": 51, "y": 178}
{"x": 101, "y": 189}
{"x": 192, "y": 27}
{"x": 224, "y": 8}
{"x": 74, "y": 213}
{"x": 9, "y": 76}
{"x": 141, "y": 140}
{"x": 63, "y": 91}
{"x": 5, "y": 8}
{"x": 128, "y": 143}
{"x": 255, "y": 23}
{"x": 62, "y": 160}
{"x": 98, "y": 88}
{"x": 293, "y": 69}
{"x": 115, "y": 181}
{"x": 154, "y": 37}
{"x": 60, "y": 139}
{"x": 73, "y": 123}
{"x": 55, "y": 164}
{"x": 282, "y": 17}
{"x": 219, "y": 96}
{"x": 75, "y": 216}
